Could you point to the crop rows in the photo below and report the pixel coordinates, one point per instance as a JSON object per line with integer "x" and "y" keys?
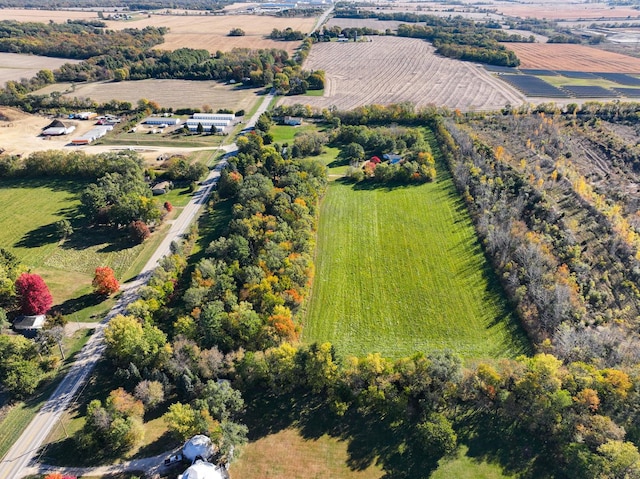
{"x": 629, "y": 92}
{"x": 620, "y": 78}
{"x": 533, "y": 86}
{"x": 589, "y": 91}
{"x": 386, "y": 70}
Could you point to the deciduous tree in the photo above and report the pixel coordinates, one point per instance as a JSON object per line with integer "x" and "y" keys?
{"x": 105, "y": 282}
{"x": 34, "y": 294}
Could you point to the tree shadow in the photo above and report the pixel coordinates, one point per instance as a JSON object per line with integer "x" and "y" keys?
{"x": 162, "y": 444}
{"x": 40, "y": 236}
{"x": 74, "y": 305}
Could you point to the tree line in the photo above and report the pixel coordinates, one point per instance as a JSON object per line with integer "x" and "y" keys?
{"x": 128, "y": 55}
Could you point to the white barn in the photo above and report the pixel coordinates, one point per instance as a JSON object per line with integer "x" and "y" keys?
{"x": 160, "y": 120}
{"x": 213, "y": 116}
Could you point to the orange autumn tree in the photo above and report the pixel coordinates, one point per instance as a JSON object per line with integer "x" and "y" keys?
{"x": 283, "y": 325}
{"x": 105, "y": 282}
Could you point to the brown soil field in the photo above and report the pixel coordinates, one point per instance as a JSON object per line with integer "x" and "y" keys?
{"x": 380, "y": 25}
{"x": 573, "y": 58}
{"x": 567, "y": 11}
{"x": 19, "y": 132}
{"x": 167, "y": 93}
{"x": 15, "y": 66}
{"x": 210, "y": 32}
{"x": 44, "y": 16}
{"x": 389, "y": 70}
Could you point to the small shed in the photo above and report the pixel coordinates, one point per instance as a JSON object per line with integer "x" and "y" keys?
{"x": 161, "y": 188}
{"x": 29, "y": 324}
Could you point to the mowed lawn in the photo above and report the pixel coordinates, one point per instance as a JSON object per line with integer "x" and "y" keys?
{"x": 27, "y": 229}
{"x": 400, "y": 270}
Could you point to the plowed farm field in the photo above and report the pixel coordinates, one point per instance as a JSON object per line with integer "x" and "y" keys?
{"x": 210, "y": 32}
{"x": 167, "y": 93}
{"x": 550, "y": 56}
{"x": 45, "y": 16}
{"x": 388, "y": 70}
{"x": 14, "y": 66}
{"x": 567, "y": 11}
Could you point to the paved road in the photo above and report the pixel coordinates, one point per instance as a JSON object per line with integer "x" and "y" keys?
{"x": 323, "y": 18}
{"x": 15, "y": 463}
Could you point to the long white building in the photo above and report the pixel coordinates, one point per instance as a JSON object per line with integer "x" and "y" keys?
{"x": 213, "y": 116}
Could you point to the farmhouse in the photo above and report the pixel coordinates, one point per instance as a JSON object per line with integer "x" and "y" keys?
{"x": 159, "y": 120}
{"x": 293, "y": 120}
{"x": 28, "y": 325}
{"x": 392, "y": 158}
{"x": 92, "y": 135}
{"x": 57, "y": 128}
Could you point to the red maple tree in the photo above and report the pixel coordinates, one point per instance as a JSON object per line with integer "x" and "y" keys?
{"x": 34, "y": 294}
{"x": 105, "y": 282}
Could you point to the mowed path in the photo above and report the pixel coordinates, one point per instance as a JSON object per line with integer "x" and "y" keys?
{"x": 400, "y": 270}
{"x": 388, "y": 70}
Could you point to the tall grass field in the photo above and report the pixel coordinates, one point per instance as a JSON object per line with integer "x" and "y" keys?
{"x": 400, "y": 270}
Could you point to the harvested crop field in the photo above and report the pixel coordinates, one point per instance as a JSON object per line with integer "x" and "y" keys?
{"x": 573, "y": 58}
{"x": 167, "y": 93}
{"x": 388, "y": 70}
{"x": 44, "y": 16}
{"x": 380, "y": 25}
{"x": 15, "y": 66}
{"x": 568, "y": 11}
{"x": 210, "y": 31}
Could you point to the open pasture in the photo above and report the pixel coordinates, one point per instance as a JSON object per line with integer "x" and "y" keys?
{"x": 572, "y": 58}
{"x": 167, "y": 93}
{"x": 388, "y": 70}
{"x": 210, "y": 31}
{"x": 15, "y": 66}
{"x": 400, "y": 270}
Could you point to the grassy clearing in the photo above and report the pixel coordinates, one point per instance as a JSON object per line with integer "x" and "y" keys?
{"x": 461, "y": 465}
{"x": 286, "y": 133}
{"x": 288, "y": 454}
{"x": 557, "y": 80}
{"x": 400, "y": 270}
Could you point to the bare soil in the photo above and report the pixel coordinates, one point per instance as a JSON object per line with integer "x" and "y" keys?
{"x": 167, "y": 93}
{"x": 210, "y": 31}
{"x": 573, "y": 58}
{"x": 15, "y": 66}
{"x": 388, "y": 70}
{"x": 568, "y": 11}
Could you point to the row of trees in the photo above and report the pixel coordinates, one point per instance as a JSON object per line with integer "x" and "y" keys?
{"x": 244, "y": 294}
{"x": 533, "y": 416}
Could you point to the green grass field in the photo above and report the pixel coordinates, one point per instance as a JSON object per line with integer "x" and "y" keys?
{"x": 27, "y": 229}
{"x": 400, "y": 270}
